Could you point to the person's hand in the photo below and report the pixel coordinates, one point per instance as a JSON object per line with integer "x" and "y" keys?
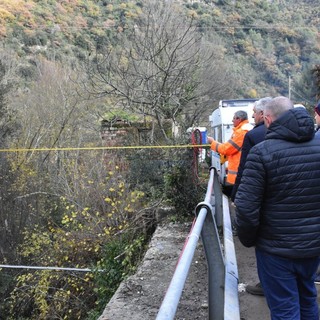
{"x": 210, "y": 139}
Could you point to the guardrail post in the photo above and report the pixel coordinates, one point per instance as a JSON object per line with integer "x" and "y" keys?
{"x": 217, "y": 200}
{"x": 216, "y": 269}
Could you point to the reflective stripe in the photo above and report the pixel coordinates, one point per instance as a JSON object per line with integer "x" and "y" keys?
{"x": 234, "y": 145}
{"x": 217, "y": 147}
{"x": 232, "y": 172}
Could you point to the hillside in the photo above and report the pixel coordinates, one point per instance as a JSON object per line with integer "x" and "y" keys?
{"x": 265, "y": 41}
{"x": 68, "y": 66}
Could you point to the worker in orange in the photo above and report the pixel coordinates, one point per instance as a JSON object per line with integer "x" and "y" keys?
{"x": 232, "y": 148}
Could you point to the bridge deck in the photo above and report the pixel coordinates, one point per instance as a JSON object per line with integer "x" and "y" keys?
{"x": 140, "y": 296}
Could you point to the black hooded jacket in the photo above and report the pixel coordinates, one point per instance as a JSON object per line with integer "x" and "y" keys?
{"x": 278, "y": 200}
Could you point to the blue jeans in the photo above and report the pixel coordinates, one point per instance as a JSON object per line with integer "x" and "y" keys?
{"x": 288, "y": 285}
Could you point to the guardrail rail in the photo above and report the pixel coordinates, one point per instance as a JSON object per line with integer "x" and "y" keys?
{"x": 212, "y": 216}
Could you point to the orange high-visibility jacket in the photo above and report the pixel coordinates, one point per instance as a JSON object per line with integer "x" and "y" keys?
{"x": 232, "y": 149}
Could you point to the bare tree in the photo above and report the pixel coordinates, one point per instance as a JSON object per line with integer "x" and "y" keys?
{"x": 8, "y": 81}
{"x": 49, "y": 114}
{"x": 162, "y": 68}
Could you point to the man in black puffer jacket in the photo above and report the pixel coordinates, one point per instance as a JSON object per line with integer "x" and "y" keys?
{"x": 278, "y": 210}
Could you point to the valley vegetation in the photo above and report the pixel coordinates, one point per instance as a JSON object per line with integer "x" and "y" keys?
{"x": 69, "y": 67}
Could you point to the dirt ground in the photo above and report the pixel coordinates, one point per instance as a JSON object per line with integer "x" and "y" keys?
{"x": 141, "y": 295}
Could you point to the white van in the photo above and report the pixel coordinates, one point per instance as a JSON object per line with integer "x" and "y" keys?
{"x": 221, "y": 128}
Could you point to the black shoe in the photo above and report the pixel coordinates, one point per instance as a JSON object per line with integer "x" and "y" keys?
{"x": 255, "y": 290}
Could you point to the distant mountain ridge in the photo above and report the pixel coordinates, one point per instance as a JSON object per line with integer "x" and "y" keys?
{"x": 270, "y": 39}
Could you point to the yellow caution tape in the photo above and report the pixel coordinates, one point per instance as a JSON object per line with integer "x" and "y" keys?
{"x": 104, "y": 148}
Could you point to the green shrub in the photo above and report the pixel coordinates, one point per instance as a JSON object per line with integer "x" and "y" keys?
{"x": 120, "y": 258}
{"x": 182, "y": 187}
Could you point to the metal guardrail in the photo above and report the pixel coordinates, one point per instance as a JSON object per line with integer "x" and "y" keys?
{"x": 212, "y": 213}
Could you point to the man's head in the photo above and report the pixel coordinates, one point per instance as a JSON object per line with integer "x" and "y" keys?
{"x": 258, "y": 109}
{"x": 275, "y": 108}
{"x": 238, "y": 117}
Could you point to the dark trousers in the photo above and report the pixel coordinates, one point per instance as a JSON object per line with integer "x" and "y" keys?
{"x": 227, "y": 190}
{"x": 288, "y": 285}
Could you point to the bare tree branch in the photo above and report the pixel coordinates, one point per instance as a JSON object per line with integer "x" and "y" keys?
{"x": 162, "y": 68}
